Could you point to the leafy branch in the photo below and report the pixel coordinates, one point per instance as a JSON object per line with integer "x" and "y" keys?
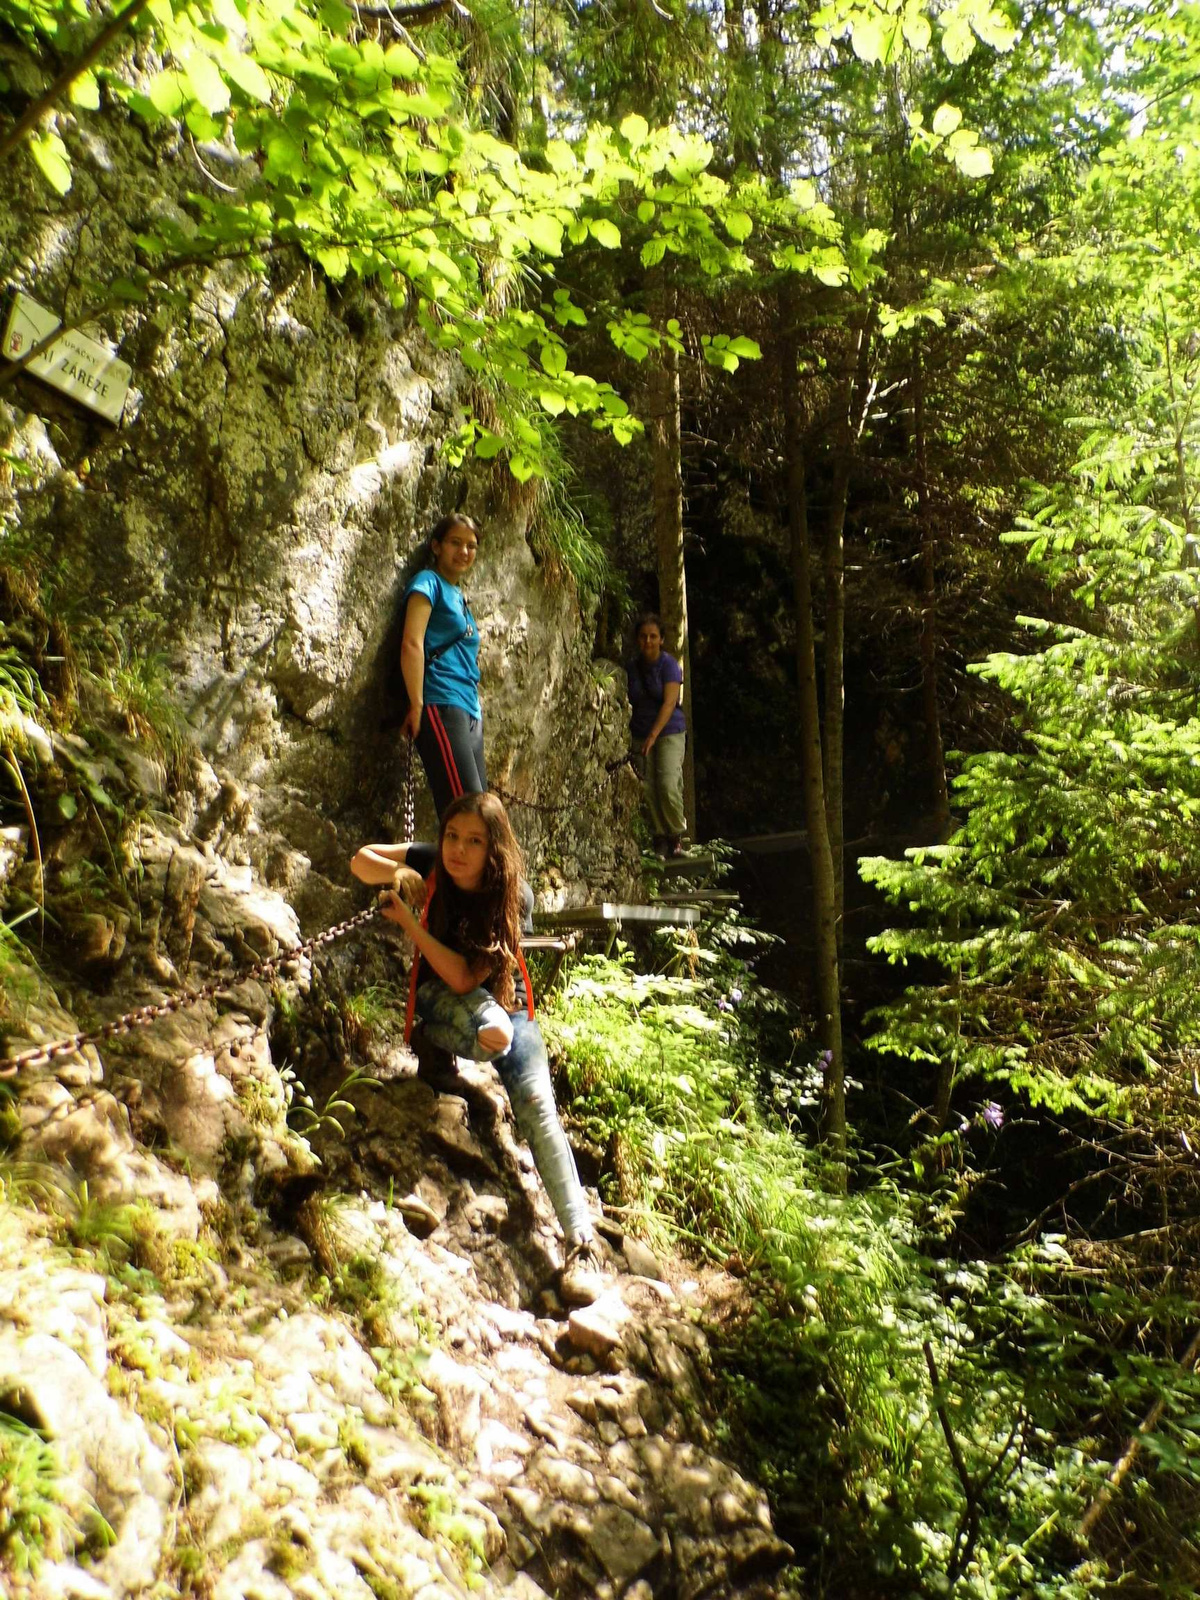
{"x": 34, "y": 113}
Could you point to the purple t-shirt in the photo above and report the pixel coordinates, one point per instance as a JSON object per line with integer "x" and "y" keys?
{"x": 646, "y": 680}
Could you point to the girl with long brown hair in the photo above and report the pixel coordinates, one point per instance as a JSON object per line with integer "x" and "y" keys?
{"x": 470, "y": 990}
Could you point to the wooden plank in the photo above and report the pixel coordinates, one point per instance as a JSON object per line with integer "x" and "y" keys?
{"x": 609, "y": 914}
{"x": 679, "y": 866}
{"x": 709, "y": 897}
{"x": 771, "y": 844}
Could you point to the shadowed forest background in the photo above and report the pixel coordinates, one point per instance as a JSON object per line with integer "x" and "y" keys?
{"x": 859, "y": 341}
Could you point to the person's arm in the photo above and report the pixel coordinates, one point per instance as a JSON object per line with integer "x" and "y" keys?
{"x": 670, "y": 700}
{"x": 377, "y": 863}
{"x": 453, "y": 969}
{"x": 412, "y": 659}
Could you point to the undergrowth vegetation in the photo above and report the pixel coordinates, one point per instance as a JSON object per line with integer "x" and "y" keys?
{"x": 927, "y": 1424}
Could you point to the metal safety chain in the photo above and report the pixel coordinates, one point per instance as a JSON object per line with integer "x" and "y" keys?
{"x": 551, "y": 807}
{"x": 44, "y": 1054}
{"x": 410, "y": 796}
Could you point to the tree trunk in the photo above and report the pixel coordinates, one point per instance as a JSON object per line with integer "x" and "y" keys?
{"x": 821, "y": 855}
{"x": 935, "y": 755}
{"x": 853, "y": 397}
{"x": 668, "y": 535}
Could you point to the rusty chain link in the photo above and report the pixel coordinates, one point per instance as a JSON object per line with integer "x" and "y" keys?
{"x": 141, "y": 1016}
{"x": 44, "y": 1054}
{"x": 548, "y": 807}
{"x": 410, "y": 796}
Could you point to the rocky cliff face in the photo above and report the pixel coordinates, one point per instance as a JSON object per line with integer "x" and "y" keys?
{"x": 279, "y": 462}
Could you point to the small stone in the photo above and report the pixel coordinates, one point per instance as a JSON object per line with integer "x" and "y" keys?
{"x": 610, "y": 1230}
{"x": 596, "y": 1329}
{"x": 419, "y": 1218}
{"x": 619, "y": 1493}
{"x": 623, "y": 1544}
{"x": 643, "y": 1263}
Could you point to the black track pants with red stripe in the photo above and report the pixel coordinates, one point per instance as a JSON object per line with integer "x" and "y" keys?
{"x": 450, "y": 745}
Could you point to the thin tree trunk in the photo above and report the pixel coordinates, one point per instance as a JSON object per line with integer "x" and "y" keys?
{"x": 853, "y": 398}
{"x": 820, "y": 852}
{"x": 935, "y": 755}
{"x": 668, "y": 536}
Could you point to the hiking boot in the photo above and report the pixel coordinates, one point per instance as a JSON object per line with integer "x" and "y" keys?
{"x": 582, "y": 1278}
{"x": 436, "y": 1068}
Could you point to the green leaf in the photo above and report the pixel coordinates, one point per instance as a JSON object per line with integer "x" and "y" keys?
{"x": 334, "y": 261}
{"x": 85, "y": 91}
{"x": 605, "y": 233}
{"x": 552, "y": 401}
{"x": 50, "y": 153}
{"x": 635, "y": 129}
{"x": 488, "y": 445}
{"x": 247, "y": 75}
{"x": 400, "y": 62}
{"x": 207, "y": 84}
{"x": 167, "y": 94}
{"x": 867, "y": 36}
{"x": 738, "y": 225}
{"x": 916, "y": 29}
{"x": 973, "y": 161}
{"x": 521, "y": 468}
{"x": 945, "y": 119}
{"x": 560, "y": 157}
{"x": 994, "y": 28}
{"x": 544, "y": 232}
{"x": 653, "y": 251}
{"x": 748, "y": 349}
{"x": 645, "y": 211}
{"x": 957, "y": 40}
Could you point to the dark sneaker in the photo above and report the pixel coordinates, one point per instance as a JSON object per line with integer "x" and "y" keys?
{"x": 582, "y": 1278}
{"x": 436, "y": 1067}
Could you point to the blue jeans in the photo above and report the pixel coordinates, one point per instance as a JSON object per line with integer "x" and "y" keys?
{"x": 453, "y": 1022}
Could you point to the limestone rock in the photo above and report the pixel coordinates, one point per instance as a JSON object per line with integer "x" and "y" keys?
{"x": 104, "y": 1450}
{"x": 596, "y": 1329}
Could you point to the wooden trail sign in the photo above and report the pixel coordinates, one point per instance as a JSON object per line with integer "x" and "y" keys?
{"x": 79, "y": 366}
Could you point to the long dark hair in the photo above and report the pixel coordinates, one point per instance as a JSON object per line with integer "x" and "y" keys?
{"x": 484, "y": 924}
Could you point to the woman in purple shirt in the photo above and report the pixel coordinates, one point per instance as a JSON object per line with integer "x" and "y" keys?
{"x": 659, "y": 733}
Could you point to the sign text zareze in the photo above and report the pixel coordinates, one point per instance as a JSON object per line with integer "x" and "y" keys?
{"x": 77, "y": 365}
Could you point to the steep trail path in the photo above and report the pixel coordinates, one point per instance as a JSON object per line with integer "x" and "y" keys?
{"x": 260, "y": 1376}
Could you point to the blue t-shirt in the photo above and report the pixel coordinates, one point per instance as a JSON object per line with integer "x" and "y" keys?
{"x": 646, "y": 680}
{"x": 453, "y": 679}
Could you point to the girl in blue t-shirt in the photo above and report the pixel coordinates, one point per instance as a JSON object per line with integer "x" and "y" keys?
{"x": 439, "y": 658}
